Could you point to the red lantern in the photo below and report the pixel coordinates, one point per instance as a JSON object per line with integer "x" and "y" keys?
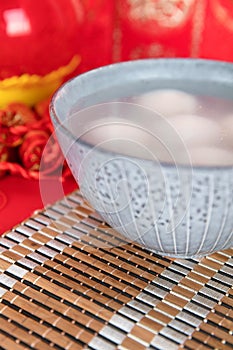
{"x": 39, "y": 47}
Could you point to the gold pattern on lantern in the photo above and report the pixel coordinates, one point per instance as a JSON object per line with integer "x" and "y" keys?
{"x": 167, "y": 13}
{"x": 154, "y": 50}
{"x": 222, "y": 14}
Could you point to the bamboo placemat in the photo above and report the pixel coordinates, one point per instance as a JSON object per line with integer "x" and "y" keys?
{"x": 69, "y": 282}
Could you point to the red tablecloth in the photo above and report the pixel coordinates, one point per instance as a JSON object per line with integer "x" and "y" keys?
{"x": 20, "y": 197}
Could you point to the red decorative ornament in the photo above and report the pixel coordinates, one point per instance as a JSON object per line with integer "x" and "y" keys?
{"x": 39, "y": 47}
{"x": 28, "y": 146}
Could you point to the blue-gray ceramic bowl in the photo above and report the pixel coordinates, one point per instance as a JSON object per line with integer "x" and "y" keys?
{"x": 134, "y": 168}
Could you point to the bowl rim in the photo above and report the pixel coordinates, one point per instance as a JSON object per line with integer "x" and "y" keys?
{"x": 225, "y": 66}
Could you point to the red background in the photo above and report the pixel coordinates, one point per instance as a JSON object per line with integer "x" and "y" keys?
{"x": 119, "y": 30}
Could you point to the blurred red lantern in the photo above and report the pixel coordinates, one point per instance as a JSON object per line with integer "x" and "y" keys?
{"x": 39, "y": 47}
